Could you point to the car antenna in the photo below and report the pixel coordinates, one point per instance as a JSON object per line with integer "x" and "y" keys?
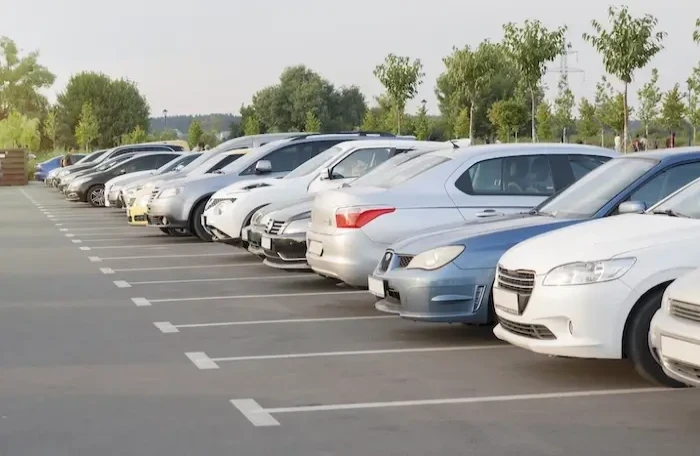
{"x": 454, "y": 144}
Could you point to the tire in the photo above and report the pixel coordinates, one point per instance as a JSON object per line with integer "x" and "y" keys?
{"x": 178, "y": 232}
{"x": 96, "y": 195}
{"x": 165, "y": 230}
{"x": 196, "y": 222}
{"x": 636, "y": 342}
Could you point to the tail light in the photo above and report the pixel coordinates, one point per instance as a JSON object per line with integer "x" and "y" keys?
{"x": 357, "y": 217}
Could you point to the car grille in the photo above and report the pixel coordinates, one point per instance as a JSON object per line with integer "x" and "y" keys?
{"x": 684, "y": 369}
{"x": 404, "y": 260}
{"x": 684, "y": 310}
{"x": 525, "y": 330}
{"x": 153, "y": 195}
{"x": 520, "y": 281}
{"x": 274, "y": 226}
{"x": 214, "y": 201}
{"x": 386, "y": 261}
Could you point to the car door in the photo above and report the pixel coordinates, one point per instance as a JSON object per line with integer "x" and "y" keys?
{"x": 488, "y": 187}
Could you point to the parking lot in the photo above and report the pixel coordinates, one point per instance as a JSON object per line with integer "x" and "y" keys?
{"x": 120, "y": 340}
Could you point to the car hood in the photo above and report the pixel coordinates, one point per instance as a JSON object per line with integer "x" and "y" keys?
{"x": 128, "y": 178}
{"x": 600, "y": 239}
{"x": 250, "y": 184}
{"x": 481, "y": 234}
{"x": 288, "y": 209}
{"x": 208, "y": 182}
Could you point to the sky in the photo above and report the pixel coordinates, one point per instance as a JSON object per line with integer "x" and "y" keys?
{"x": 213, "y": 55}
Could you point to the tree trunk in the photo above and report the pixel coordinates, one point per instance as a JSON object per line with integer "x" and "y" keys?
{"x": 398, "y": 119}
{"x": 602, "y": 137}
{"x": 695, "y": 133}
{"x": 646, "y": 130}
{"x": 626, "y": 127}
{"x": 471, "y": 121}
{"x": 533, "y": 113}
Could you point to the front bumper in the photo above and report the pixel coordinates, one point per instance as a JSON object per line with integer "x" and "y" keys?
{"x": 136, "y": 215}
{"x": 579, "y": 321}
{"x": 446, "y": 295}
{"x": 167, "y": 213}
{"x": 78, "y": 194}
{"x": 677, "y": 342}
{"x": 285, "y": 251}
{"x": 347, "y": 255}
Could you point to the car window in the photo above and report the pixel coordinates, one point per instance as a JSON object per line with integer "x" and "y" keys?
{"x": 140, "y": 164}
{"x": 312, "y": 165}
{"x": 293, "y": 155}
{"x": 229, "y": 158}
{"x": 666, "y": 183}
{"x": 584, "y": 164}
{"x": 408, "y": 170}
{"x": 520, "y": 175}
{"x": 360, "y": 162}
{"x": 164, "y": 159}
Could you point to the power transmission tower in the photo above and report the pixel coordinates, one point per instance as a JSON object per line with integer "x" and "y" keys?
{"x": 564, "y": 69}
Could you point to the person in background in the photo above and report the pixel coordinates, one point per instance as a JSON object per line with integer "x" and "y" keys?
{"x": 673, "y": 139}
{"x": 67, "y": 159}
{"x": 643, "y": 143}
{"x": 618, "y": 143}
{"x": 636, "y": 144}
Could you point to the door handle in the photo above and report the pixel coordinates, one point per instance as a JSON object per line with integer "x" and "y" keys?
{"x": 488, "y": 213}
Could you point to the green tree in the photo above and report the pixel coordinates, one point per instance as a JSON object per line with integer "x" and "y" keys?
{"x": 461, "y": 126}
{"x": 628, "y": 46}
{"x": 313, "y": 125}
{"x": 696, "y": 33}
{"x": 401, "y": 79}
{"x": 88, "y": 128}
{"x": 587, "y": 125}
{"x": 49, "y": 127}
{"x": 117, "y": 104}
{"x": 210, "y": 138}
{"x": 672, "y": 109}
{"x": 371, "y": 122}
{"x": 137, "y": 136}
{"x": 693, "y": 108}
{"x": 564, "y": 105}
{"x": 21, "y": 80}
{"x": 507, "y": 116}
{"x": 470, "y": 73}
{"x": 649, "y": 98}
{"x": 194, "y": 134}
{"x": 17, "y": 130}
{"x": 610, "y": 109}
{"x": 166, "y": 135}
{"x": 235, "y": 129}
{"x": 532, "y": 46}
{"x": 251, "y": 126}
{"x": 421, "y": 123}
{"x": 545, "y": 122}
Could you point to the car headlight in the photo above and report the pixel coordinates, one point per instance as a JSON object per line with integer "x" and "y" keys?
{"x": 170, "y": 192}
{"x": 435, "y": 258}
{"x": 581, "y": 273}
{"x": 221, "y": 207}
{"x": 62, "y": 173}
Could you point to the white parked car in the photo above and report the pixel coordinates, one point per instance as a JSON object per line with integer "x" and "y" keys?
{"x": 675, "y": 330}
{"x": 351, "y": 228}
{"x": 230, "y": 209}
{"x": 590, "y": 290}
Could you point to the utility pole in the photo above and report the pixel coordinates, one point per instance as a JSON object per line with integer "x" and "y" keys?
{"x": 564, "y": 69}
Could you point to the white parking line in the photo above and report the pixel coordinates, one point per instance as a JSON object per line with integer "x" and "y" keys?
{"x": 84, "y": 248}
{"x": 148, "y": 246}
{"x": 101, "y": 231}
{"x": 196, "y": 266}
{"x": 107, "y": 270}
{"x": 130, "y": 238}
{"x": 68, "y": 235}
{"x": 260, "y": 416}
{"x": 167, "y": 327}
{"x": 223, "y": 279}
{"x": 393, "y": 351}
{"x": 280, "y": 295}
{"x": 201, "y": 360}
{"x": 176, "y": 256}
{"x": 141, "y": 302}
{"x": 95, "y": 259}
{"x": 122, "y": 284}
{"x": 76, "y": 241}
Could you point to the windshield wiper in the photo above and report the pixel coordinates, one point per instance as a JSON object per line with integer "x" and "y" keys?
{"x": 670, "y": 213}
{"x": 544, "y": 214}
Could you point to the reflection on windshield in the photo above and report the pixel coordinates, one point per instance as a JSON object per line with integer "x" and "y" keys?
{"x": 594, "y": 190}
{"x": 411, "y": 169}
{"x": 684, "y": 203}
{"x": 313, "y": 164}
{"x": 378, "y": 175}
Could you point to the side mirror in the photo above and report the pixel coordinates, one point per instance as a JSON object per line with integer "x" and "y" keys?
{"x": 179, "y": 167}
{"x": 123, "y": 171}
{"x": 263, "y": 167}
{"x": 326, "y": 174}
{"x": 632, "y": 207}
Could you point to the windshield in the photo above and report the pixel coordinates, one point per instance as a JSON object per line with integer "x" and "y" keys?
{"x": 409, "y": 170}
{"x": 92, "y": 157}
{"x": 112, "y": 162}
{"x": 313, "y": 164}
{"x": 252, "y": 157}
{"x": 684, "y": 203}
{"x": 377, "y": 175}
{"x": 588, "y": 195}
{"x": 180, "y": 161}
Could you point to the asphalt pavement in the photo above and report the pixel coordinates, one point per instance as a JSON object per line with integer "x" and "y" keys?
{"x": 118, "y": 340}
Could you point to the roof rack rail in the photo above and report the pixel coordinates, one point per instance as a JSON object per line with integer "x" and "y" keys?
{"x": 358, "y": 133}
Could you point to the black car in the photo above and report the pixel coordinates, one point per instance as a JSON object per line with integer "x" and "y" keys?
{"x": 116, "y": 152}
{"x": 90, "y": 188}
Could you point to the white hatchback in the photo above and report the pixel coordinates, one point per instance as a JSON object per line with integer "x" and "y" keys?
{"x": 591, "y": 290}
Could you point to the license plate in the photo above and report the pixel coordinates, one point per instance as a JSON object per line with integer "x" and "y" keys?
{"x": 266, "y": 242}
{"x": 244, "y": 235}
{"x": 506, "y": 301}
{"x": 315, "y": 247}
{"x": 376, "y": 286}
{"x": 680, "y": 350}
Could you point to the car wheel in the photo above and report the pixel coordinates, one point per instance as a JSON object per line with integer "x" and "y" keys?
{"x": 197, "y": 227}
{"x": 96, "y": 195}
{"x": 637, "y": 344}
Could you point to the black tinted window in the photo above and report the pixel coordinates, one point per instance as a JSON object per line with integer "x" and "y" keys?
{"x": 521, "y": 175}
{"x": 140, "y": 163}
{"x": 287, "y": 158}
{"x": 225, "y": 161}
{"x": 584, "y": 164}
{"x": 666, "y": 183}
{"x": 163, "y": 159}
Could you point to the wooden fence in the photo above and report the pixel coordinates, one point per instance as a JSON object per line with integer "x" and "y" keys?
{"x": 13, "y": 167}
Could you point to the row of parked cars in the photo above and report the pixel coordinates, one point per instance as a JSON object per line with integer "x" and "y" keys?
{"x": 569, "y": 250}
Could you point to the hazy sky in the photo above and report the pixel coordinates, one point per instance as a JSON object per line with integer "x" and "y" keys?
{"x": 212, "y": 55}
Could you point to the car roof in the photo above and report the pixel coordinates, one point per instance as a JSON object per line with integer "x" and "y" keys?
{"x": 388, "y": 142}
{"x": 464, "y": 153}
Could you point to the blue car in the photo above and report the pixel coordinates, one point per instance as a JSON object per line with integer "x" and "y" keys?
{"x": 446, "y": 275}
{"x": 44, "y": 168}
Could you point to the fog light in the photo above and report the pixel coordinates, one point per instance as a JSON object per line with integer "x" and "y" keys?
{"x": 571, "y": 328}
